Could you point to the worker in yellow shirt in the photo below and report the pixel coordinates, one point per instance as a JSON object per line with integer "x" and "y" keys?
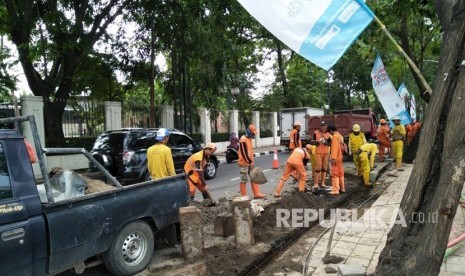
{"x": 356, "y": 139}
{"x": 159, "y": 159}
{"x": 398, "y": 136}
{"x": 366, "y": 154}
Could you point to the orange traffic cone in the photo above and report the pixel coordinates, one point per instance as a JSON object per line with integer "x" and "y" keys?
{"x": 275, "y": 159}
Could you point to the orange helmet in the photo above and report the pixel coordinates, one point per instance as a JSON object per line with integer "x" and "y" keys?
{"x": 382, "y": 121}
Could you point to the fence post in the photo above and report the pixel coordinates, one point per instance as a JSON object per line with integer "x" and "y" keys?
{"x": 167, "y": 116}
{"x": 112, "y": 115}
{"x": 205, "y": 127}
{"x": 234, "y": 121}
{"x": 274, "y": 128}
{"x": 34, "y": 105}
{"x": 256, "y": 122}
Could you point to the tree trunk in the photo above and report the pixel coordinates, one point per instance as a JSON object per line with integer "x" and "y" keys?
{"x": 282, "y": 74}
{"x": 438, "y": 175}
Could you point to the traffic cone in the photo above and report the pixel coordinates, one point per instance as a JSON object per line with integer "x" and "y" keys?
{"x": 275, "y": 159}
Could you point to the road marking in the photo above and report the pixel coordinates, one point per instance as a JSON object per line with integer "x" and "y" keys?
{"x": 267, "y": 170}
{"x": 235, "y": 178}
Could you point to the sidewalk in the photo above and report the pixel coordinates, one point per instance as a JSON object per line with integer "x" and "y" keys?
{"x": 360, "y": 243}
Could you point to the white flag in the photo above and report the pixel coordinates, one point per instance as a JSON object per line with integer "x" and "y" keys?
{"x": 387, "y": 94}
{"x": 319, "y": 30}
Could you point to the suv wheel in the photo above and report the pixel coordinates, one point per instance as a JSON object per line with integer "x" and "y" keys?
{"x": 210, "y": 169}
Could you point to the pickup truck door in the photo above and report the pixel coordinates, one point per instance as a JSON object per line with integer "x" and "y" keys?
{"x": 22, "y": 228}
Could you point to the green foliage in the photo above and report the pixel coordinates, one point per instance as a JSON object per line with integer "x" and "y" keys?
{"x": 220, "y": 137}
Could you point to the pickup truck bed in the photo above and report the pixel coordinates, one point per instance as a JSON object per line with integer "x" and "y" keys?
{"x": 115, "y": 226}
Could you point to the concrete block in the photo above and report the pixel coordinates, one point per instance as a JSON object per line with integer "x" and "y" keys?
{"x": 192, "y": 240}
{"x": 373, "y": 176}
{"x": 350, "y": 270}
{"x": 224, "y": 225}
{"x": 243, "y": 224}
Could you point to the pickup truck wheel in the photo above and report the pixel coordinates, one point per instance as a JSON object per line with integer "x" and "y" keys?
{"x": 210, "y": 169}
{"x": 131, "y": 251}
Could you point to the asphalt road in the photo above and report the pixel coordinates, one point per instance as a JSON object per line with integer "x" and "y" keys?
{"x": 228, "y": 177}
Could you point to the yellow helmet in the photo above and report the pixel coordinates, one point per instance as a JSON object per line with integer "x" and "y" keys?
{"x": 356, "y": 128}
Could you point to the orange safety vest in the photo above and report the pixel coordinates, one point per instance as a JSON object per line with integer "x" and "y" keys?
{"x": 191, "y": 170}
{"x": 294, "y": 139}
{"x": 246, "y": 157}
{"x": 297, "y": 156}
{"x": 337, "y": 146}
{"x": 411, "y": 130}
{"x": 321, "y": 148}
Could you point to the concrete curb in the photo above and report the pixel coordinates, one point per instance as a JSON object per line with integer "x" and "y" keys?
{"x": 222, "y": 160}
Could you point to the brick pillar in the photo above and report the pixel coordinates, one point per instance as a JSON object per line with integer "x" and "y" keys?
{"x": 167, "y": 116}
{"x": 190, "y": 219}
{"x": 243, "y": 225}
{"x": 112, "y": 115}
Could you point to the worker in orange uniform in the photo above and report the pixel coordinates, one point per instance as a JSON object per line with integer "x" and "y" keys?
{"x": 398, "y": 135}
{"x": 246, "y": 162}
{"x": 383, "y": 134}
{"x": 296, "y": 162}
{"x": 337, "y": 168}
{"x": 366, "y": 155}
{"x": 194, "y": 169}
{"x": 356, "y": 139}
{"x": 322, "y": 141}
{"x": 295, "y": 142}
{"x": 411, "y": 131}
{"x": 159, "y": 158}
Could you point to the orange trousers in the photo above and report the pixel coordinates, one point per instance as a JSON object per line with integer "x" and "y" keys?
{"x": 320, "y": 168}
{"x": 301, "y": 171}
{"x": 193, "y": 186}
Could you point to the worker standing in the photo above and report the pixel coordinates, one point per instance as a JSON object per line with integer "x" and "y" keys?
{"x": 246, "y": 162}
{"x": 295, "y": 142}
{"x": 322, "y": 141}
{"x": 356, "y": 139}
{"x": 159, "y": 159}
{"x": 194, "y": 169}
{"x": 411, "y": 131}
{"x": 366, "y": 155}
{"x": 337, "y": 167}
{"x": 398, "y": 135}
{"x": 296, "y": 162}
{"x": 384, "y": 137}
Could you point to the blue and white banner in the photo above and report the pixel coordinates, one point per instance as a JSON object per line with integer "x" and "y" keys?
{"x": 413, "y": 108}
{"x": 319, "y": 30}
{"x": 387, "y": 94}
{"x": 403, "y": 93}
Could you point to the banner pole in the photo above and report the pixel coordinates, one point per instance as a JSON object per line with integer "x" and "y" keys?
{"x": 409, "y": 60}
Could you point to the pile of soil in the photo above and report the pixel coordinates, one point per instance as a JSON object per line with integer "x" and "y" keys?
{"x": 226, "y": 259}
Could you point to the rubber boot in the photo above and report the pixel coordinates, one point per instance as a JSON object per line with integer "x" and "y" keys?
{"x": 334, "y": 186}
{"x": 256, "y": 191}
{"x": 316, "y": 178}
{"x": 342, "y": 185}
{"x": 323, "y": 177}
{"x": 243, "y": 188}
{"x": 279, "y": 188}
{"x": 399, "y": 164}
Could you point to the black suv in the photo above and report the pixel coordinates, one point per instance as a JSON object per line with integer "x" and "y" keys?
{"x": 124, "y": 153}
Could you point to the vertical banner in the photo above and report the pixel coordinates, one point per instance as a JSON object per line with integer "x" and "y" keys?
{"x": 413, "y": 108}
{"x": 319, "y": 30}
{"x": 403, "y": 93}
{"x": 387, "y": 94}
